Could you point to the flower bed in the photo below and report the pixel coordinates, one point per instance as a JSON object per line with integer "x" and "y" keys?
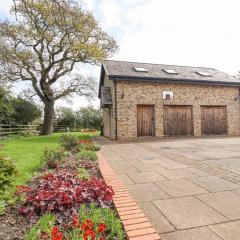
{"x": 67, "y": 199}
{"x": 88, "y": 130}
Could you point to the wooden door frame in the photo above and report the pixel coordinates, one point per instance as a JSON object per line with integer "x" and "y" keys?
{"x": 153, "y": 121}
{"x": 192, "y": 116}
{"x": 223, "y": 106}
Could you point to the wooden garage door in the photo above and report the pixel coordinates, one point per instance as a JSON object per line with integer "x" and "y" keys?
{"x": 214, "y": 120}
{"x": 178, "y": 120}
{"x": 145, "y": 120}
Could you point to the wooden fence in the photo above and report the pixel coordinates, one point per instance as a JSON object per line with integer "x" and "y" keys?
{"x": 6, "y": 130}
{"x": 16, "y": 129}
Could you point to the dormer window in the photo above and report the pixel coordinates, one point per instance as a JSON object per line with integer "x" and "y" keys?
{"x": 170, "y": 71}
{"x": 203, "y": 73}
{"x": 140, "y": 69}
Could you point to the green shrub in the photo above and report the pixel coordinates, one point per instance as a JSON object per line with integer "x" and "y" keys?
{"x": 89, "y": 146}
{"x": 42, "y": 228}
{"x": 7, "y": 198}
{"x": 53, "y": 157}
{"x": 91, "y": 215}
{"x": 69, "y": 141}
{"x": 83, "y": 174}
{"x": 89, "y": 155}
{"x": 29, "y": 133}
{"x": 84, "y": 137}
{"x": 3, "y": 205}
{"x": 7, "y": 173}
{"x": 98, "y": 216}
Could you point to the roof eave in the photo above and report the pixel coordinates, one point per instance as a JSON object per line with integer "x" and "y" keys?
{"x": 165, "y": 80}
{"x": 102, "y": 73}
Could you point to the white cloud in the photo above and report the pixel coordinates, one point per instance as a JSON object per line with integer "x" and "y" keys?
{"x": 183, "y": 32}
{"x": 110, "y": 13}
{"x": 89, "y": 4}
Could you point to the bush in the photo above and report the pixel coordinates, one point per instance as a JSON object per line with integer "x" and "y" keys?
{"x": 7, "y": 173}
{"x": 83, "y": 174}
{"x": 69, "y": 141}
{"x": 63, "y": 192}
{"x": 102, "y": 222}
{"x": 89, "y": 146}
{"x": 2, "y": 207}
{"x": 53, "y": 157}
{"x": 90, "y": 223}
{"x": 85, "y": 138}
{"x": 41, "y": 230}
{"x": 89, "y": 155}
{"x": 28, "y": 133}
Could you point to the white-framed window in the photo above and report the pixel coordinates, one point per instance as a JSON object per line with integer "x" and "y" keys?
{"x": 167, "y": 95}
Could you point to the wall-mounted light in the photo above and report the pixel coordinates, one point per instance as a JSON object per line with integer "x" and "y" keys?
{"x": 122, "y": 94}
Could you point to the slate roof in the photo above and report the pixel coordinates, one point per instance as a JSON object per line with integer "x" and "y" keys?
{"x": 125, "y": 71}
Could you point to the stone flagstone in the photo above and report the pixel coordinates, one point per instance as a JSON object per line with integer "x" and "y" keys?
{"x": 146, "y": 177}
{"x": 227, "y": 231}
{"x": 202, "y": 233}
{"x": 227, "y": 203}
{"x": 180, "y": 188}
{"x": 146, "y": 192}
{"x": 160, "y": 223}
{"x": 188, "y": 212}
{"x": 173, "y": 205}
{"x": 214, "y": 183}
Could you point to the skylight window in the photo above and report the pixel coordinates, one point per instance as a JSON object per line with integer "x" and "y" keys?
{"x": 170, "y": 71}
{"x": 203, "y": 74}
{"x": 140, "y": 69}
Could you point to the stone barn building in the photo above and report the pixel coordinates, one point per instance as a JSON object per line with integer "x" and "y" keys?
{"x": 155, "y": 100}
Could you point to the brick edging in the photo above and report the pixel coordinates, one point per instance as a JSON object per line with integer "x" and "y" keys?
{"x": 135, "y": 223}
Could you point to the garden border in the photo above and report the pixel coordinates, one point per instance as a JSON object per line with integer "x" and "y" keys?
{"x": 135, "y": 223}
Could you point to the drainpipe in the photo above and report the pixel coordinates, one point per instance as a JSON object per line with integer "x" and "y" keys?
{"x": 116, "y": 125}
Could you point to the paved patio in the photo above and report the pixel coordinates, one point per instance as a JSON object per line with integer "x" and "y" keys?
{"x": 188, "y": 188}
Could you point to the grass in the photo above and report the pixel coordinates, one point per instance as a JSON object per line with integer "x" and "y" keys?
{"x": 26, "y": 152}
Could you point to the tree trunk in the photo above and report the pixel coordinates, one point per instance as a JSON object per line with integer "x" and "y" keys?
{"x": 48, "y": 118}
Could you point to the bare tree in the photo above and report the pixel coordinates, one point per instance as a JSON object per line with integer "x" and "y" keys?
{"x": 48, "y": 40}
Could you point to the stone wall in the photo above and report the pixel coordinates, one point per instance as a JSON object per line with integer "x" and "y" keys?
{"x": 130, "y": 94}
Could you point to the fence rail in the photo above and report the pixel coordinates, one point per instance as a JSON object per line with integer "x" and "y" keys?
{"x": 16, "y": 129}
{"x": 6, "y": 130}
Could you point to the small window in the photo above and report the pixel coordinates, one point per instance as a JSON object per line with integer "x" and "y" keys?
{"x": 168, "y": 95}
{"x": 203, "y": 74}
{"x": 170, "y": 71}
{"x": 140, "y": 69}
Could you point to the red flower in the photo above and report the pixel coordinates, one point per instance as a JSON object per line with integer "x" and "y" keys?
{"x": 56, "y": 234}
{"x": 89, "y": 233}
{"x": 75, "y": 222}
{"x": 87, "y": 225}
{"x": 102, "y": 228}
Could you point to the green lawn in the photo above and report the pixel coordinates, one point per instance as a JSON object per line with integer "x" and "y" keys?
{"x": 26, "y": 152}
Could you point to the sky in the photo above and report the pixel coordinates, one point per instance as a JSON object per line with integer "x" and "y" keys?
{"x": 187, "y": 32}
